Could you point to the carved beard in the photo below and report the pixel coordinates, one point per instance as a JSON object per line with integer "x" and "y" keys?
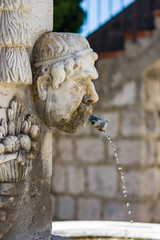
{"x": 78, "y": 119}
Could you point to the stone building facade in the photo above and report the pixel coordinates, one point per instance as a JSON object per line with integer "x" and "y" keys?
{"x": 86, "y": 182}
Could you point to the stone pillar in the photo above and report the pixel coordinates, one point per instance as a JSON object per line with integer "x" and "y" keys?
{"x": 26, "y": 144}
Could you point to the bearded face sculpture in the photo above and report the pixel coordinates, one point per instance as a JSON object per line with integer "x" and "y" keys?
{"x": 63, "y": 67}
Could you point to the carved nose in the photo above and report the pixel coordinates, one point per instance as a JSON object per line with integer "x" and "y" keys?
{"x": 91, "y": 93}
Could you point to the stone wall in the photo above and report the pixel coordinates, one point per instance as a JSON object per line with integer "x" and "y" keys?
{"x": 86, "y": 182}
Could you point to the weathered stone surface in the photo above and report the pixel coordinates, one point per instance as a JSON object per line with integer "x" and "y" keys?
{"x": 59, "y": 179}
{"x": 132, "y": 123}
{"x": 152, "y": 177}
{"x": 88, "y": 209}
{"x": 135, "y": 183}
{"x": 132, "y": 49}
{"x": 126, "y": 96}
{"x": 65, "y": 148}
{"x": 152, "y": 125}
{"x": 40, "y": 23}
{"x": 152, "y": 83}
{"x": 102, "y": 181}
{"x": 129, "y": 151}
{"x": 115, "y": 211}
{"x": 14, "y": 42}
{"x": 7, "y": 188}
{"x": 90, "y": 149}
{"x": 152, "y": 91}
{"x": 66, "y": 208}
{"x": 35, "y": 217}
{"x": 149, "y": 153}
{"x": 76, "y": 179}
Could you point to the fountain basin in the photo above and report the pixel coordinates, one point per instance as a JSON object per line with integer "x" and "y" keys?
{"x": 102, "y": 230}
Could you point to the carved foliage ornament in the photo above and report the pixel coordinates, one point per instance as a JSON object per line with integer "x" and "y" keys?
{"x": 14, "y": 42}
{"x": 18, "y": 147}
{"x": 18, "y": 143}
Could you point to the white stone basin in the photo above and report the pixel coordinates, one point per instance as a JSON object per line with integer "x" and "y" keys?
{"x": 84, "y": 229}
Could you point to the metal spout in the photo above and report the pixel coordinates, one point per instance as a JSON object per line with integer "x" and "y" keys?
{"x": 98, "y": 123}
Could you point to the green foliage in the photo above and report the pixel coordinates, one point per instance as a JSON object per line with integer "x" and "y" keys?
{"x": 68, "y": 15}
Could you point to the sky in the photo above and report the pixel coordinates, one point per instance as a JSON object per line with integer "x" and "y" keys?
{"x": 99, "y": 11}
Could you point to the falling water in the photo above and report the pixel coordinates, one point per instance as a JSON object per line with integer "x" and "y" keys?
{"x": 101, "y": 126}
{"x": 120, "y": 169}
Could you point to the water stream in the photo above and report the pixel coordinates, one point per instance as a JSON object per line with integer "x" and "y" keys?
{"x": 101, "y": 125}
{"x": 120, "y": 169}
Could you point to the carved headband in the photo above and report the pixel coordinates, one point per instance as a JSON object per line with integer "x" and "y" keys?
{"x": 54, "y": 60}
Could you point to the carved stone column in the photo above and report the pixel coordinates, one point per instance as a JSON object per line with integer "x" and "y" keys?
{"x": 25, "y": 143}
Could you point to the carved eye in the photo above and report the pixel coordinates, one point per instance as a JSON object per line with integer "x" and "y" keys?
{"x": 45, "y": 70}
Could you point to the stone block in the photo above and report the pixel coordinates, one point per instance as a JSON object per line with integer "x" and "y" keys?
{"x": 152, "y": 82}
{"x": 152, "y": 178}
{"x": 90, "y": 149}
{"x": 132, "y": 123}
{"x": 76, "y": 180}
{"x": 66, "y": 208}
{"x": 102, "y": 181}
{"x": 58, "y": 179}
{"x": 135, "y": 183}
{"x": 130, "y": 152}
{"x": 132, "y": 49}
{"x": 115, "y": 211}
{"x": 152, "y": 125}
{"x": 125, "y": 96}
{"x": 88, "y": 209}
{"x": 152, "y": 90}
{"x": 150, "y": 149}
{"x": 65, "y": 148}
{"x": 146, "y": 211}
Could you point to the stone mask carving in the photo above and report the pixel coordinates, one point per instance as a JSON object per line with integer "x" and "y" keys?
{"x": 63, "y": 67}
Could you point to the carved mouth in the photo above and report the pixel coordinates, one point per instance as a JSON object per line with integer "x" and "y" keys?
{"x": 78, "y": 119}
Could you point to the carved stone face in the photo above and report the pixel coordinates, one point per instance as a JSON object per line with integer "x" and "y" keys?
{"x": 64, "y": 92}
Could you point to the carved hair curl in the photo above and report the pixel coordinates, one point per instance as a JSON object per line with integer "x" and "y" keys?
{"x": 59, "y": 71}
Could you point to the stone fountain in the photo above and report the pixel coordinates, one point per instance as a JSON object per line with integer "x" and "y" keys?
{"x": 48, "y": 85}
{"x": 45, "y": 80}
